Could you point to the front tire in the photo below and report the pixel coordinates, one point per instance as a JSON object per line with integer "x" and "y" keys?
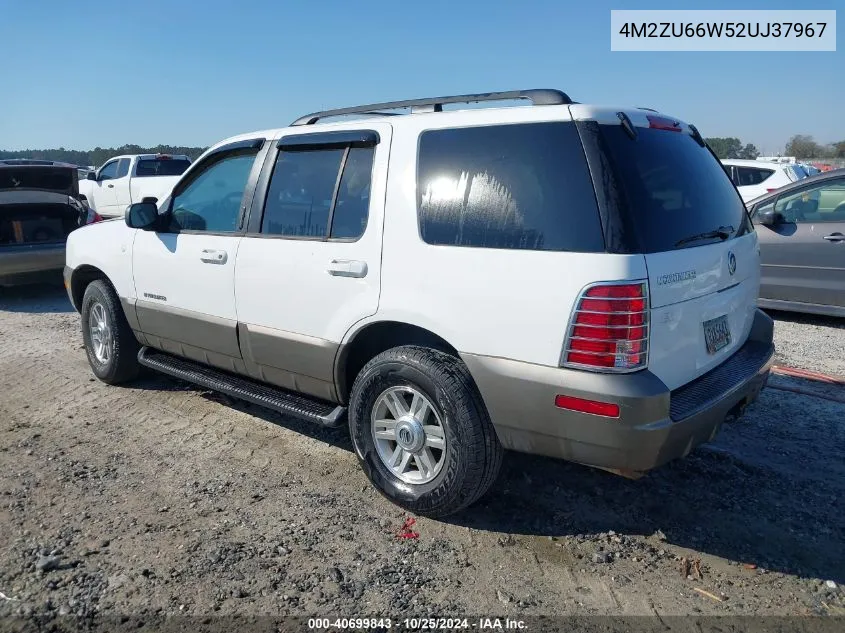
{"x": 109, "y": 342}
{"x": 421, "y": 431}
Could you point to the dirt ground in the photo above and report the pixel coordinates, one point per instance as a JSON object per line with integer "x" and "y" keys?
{"x": 163, "y": 499}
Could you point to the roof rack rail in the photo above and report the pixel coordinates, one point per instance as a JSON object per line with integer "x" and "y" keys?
{"x": 435, "y": 104}
{"x": 649, "y": 109}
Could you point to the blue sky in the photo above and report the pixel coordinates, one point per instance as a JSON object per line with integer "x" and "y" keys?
{"x": 79, "y": 75}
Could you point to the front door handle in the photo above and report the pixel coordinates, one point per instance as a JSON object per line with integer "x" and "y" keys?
{"x": 347, "y": 268}
{"x": 110, "y": 186}
{"x": 835, "y": 237}
{"x": 211, "y": 256}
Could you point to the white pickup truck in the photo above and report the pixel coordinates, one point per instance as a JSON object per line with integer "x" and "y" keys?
{"x": 123, "y": 180}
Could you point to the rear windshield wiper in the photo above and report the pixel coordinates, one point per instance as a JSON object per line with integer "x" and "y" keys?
{"x": 722, "y": 233}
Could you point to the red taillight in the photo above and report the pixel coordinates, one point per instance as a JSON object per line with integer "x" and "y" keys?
{"x": 607, "y": 409}
{"x": 93, "y": 216}
{"x": 663, "y": 123}
{"x": 609, "y": 328}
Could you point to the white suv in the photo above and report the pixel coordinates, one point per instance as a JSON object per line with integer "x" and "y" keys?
{"x": 754, "y": 178}
{"x": 560, "y": 279}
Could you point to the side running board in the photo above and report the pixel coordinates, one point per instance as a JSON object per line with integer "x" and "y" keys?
{"x": 281, "y": 400}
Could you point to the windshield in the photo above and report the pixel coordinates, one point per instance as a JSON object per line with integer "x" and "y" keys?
{"x": 161, "y": 167}
{"x": 673, "y": 189}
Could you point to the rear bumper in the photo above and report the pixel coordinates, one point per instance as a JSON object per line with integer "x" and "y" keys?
{"x": 25, "y": 264}
{"x": 655, "y": 424}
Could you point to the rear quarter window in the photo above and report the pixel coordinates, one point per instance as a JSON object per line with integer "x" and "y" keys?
{"x": 747, "y": 176}
{"x": 519, "y": 186}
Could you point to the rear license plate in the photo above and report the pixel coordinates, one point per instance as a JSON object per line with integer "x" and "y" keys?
{"x": 717, "y": 334}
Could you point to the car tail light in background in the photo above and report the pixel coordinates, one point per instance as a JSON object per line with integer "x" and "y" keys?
{"x": 663, "y": 123}
{"x": 93, "y": 217}
{"x": 609, "y": 328}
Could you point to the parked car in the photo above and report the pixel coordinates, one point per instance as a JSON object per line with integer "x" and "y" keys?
{"x": 123, "y": 180}
{"x": 433, "y": 280}
{"x": 753, "y": 178}
{"x": 801, "y": 229}
{"x": 39, "y": 208}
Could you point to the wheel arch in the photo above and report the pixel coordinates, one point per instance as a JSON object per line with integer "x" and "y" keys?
{"x": 372, "y": 339}
{"x": 80, "y": 279}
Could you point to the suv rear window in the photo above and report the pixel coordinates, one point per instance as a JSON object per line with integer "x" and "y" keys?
{"x": 519, "y": 186}
{"x": 673, "y": 188}
{"x": 162, "y": 167}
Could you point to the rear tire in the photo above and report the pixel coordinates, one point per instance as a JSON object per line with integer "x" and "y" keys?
{"x": 109, "y": 342}
{"x": 392, "y": 391}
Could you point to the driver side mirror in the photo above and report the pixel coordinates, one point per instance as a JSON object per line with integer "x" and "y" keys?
{"x": 91, "y": 175}
{"x": 770, "y": 217}
{"x": 142, "y": 215}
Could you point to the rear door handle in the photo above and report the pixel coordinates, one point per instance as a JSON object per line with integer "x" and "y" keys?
{"x": 211, "y": 256}
{"x": 835, "y": 237}
{"x": 347, "y": 268}
{"x": 110, "y": 186}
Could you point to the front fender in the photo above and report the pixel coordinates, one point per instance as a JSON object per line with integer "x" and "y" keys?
{"x": 106, "y": 246}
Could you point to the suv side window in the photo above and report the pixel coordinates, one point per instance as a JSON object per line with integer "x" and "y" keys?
{"x": 319, "y": 193}
{"x": 519, "y": 186}
{"x": 108, "y": 171}
{"x": 751, "y": 175}
{"x": 123, "y": 167}
{"x": 211, "y": 201}
{"x": 824, "y": 202}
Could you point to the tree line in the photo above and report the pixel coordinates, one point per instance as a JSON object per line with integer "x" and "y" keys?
{"x": 800, "y": 146}
{"x": 98, "y": 155}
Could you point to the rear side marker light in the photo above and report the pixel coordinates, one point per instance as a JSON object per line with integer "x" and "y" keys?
{"x": 609, "y": 329}
{"x": 606, "y": 409}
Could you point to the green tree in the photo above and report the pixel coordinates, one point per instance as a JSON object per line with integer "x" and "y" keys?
{"x": 803, "y": 146}
{"x": 749, "y": 151}
{"x": 98, "y": 155}
{"x": 725, "y": 147}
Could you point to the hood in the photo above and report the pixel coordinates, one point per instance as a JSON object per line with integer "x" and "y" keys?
{"x": 55, "y": 178}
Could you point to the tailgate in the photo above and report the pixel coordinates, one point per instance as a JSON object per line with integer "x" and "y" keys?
{"x": 667, "y": 197}
{"x": 158, "y": 187}
{"x": 703, "y": 301}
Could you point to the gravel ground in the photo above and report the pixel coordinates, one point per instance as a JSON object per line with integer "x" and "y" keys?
{"x": 161, "y": 499}
{"x": 810, "y": 342}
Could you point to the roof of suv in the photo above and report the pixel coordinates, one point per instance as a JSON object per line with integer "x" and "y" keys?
{"x": 546, "y": 104}
{"x": 759, "y": 164}
{"x": 32, "y": 162}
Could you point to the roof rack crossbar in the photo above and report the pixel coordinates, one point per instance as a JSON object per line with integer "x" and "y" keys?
{"x": 536, "y": 97}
